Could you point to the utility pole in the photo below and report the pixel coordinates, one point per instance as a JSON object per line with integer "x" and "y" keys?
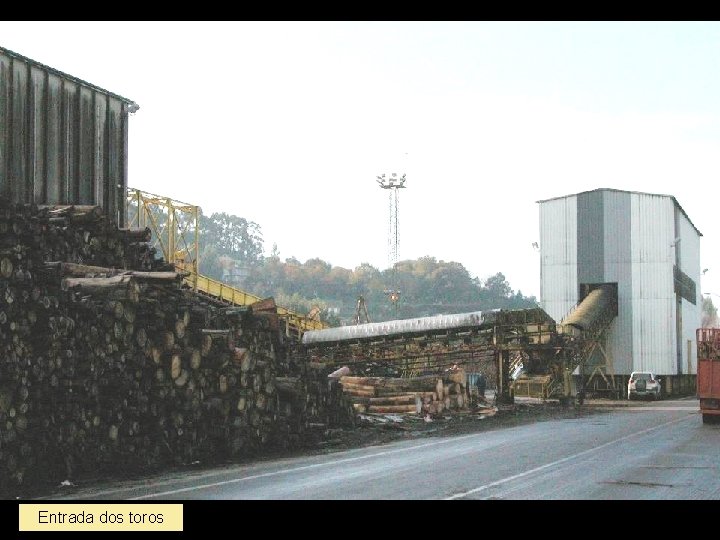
{"x": 393, "y": 184}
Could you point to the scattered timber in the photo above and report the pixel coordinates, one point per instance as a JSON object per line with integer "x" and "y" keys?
{"x": 426, "y": 394}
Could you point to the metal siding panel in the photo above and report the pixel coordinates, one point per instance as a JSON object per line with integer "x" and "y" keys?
{"x": 54, "y": 147}
{"x": 618, "y": 269}
{"x": 558, "y": 256}
{"x": 691, "y": 314}
{"x": 61, "y": 140}
{"x": 114, "y": 153}
{"x": 121, "y": 188}
{"x": 653, "y": 297}
{"x": 99, "y": 151}
{"x": 87, "y": 147}
{"x": 70, "y": 110}
{"x": 678, "y": 297}
{"x": 37, "y": 137}
{"x": 5, "y": 76}
{"x": 590, "y": 237}
{"x": 690, "y": 252}
{"x": 18, "y": 138}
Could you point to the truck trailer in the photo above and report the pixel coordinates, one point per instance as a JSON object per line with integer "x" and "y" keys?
{"x": 708, "y": 373}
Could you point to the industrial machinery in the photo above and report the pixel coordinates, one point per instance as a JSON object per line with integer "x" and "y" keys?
{"x": 175, "y": 228}
{"x": 527, "y": 351}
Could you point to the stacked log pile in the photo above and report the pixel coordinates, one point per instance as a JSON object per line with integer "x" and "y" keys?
{"x": 107, "y": 363}
{"x": 310, "y": 404}
{"x": 427, "y": 394}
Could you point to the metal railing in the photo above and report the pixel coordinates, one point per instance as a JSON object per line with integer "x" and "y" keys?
{"x": 231, "y": 295}
{"x": 175, "y": 227}
{"x": 538, "y": 386}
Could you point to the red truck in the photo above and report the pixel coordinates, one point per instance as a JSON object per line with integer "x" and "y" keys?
{"x": 708, "y": 373}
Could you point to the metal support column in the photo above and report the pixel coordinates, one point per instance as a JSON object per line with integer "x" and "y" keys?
{"x": 504, "y": 395}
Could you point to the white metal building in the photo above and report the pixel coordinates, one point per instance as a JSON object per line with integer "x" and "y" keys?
{"x": 647, "y": 245}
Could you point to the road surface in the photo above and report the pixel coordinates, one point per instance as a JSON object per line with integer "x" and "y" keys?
{"x": 643, "y": 451}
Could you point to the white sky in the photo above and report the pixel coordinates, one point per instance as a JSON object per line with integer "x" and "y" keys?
{"x": 288, "y": 123}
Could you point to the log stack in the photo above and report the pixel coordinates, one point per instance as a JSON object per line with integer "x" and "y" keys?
{"x": 309, "y": 405}
{"x": 427, "y": 394}
{"x": 326, "y": 403}
{"x": 309, "y": 402}
{"x": 108, "y": 364}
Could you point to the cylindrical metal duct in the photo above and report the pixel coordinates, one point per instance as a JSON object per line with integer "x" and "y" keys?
{"x": 405, "y": 326}
{"x": 591, "y": 308}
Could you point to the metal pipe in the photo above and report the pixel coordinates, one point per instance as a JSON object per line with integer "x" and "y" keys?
{"x": 405, "y": 326}
{"x": 590, "y": 309}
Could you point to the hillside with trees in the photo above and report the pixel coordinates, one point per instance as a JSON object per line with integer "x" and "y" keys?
{"x": 232, "y": 248}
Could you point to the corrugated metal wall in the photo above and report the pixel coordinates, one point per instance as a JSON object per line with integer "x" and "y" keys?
{"x": 618, "y": 269}
{"x": 558, "y": 256}
{"x": 634, "y": 234}
{"x": 62, "y": 140}
{"x": 691, "y": 314}
{"x": 590, "y": 237}
{"x": 653, "y": 296}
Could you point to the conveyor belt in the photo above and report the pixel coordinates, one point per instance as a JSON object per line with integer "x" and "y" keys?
{"x": 231, "y": 295}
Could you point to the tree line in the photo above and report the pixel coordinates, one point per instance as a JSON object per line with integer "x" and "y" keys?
{"x": 232, "y": 251}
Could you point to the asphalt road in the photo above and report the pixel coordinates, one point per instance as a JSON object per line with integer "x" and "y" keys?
{"x": 643, "y": 451}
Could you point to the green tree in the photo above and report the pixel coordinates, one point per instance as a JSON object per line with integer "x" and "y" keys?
{"x": 232, "y": 237}
{"x": 210, "y": 262}
{"x": 497, "y": 286}
{"x": 428, "y": 287}
{"x": 709, "y": 313}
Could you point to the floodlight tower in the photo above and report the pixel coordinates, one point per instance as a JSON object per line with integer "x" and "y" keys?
{"x": 393, "y": 184}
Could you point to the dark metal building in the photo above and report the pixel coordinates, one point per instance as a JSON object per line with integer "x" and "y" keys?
{"x": 62, "y": 140}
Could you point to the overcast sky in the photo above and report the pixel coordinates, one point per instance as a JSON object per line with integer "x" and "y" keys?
{"x": 288, "y": 123}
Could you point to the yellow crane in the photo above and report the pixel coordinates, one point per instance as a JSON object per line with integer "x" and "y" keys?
{"x": 175, "y": 228}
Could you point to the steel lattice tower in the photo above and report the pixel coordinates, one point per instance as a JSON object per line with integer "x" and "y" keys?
{"x": 393, "y": 184}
